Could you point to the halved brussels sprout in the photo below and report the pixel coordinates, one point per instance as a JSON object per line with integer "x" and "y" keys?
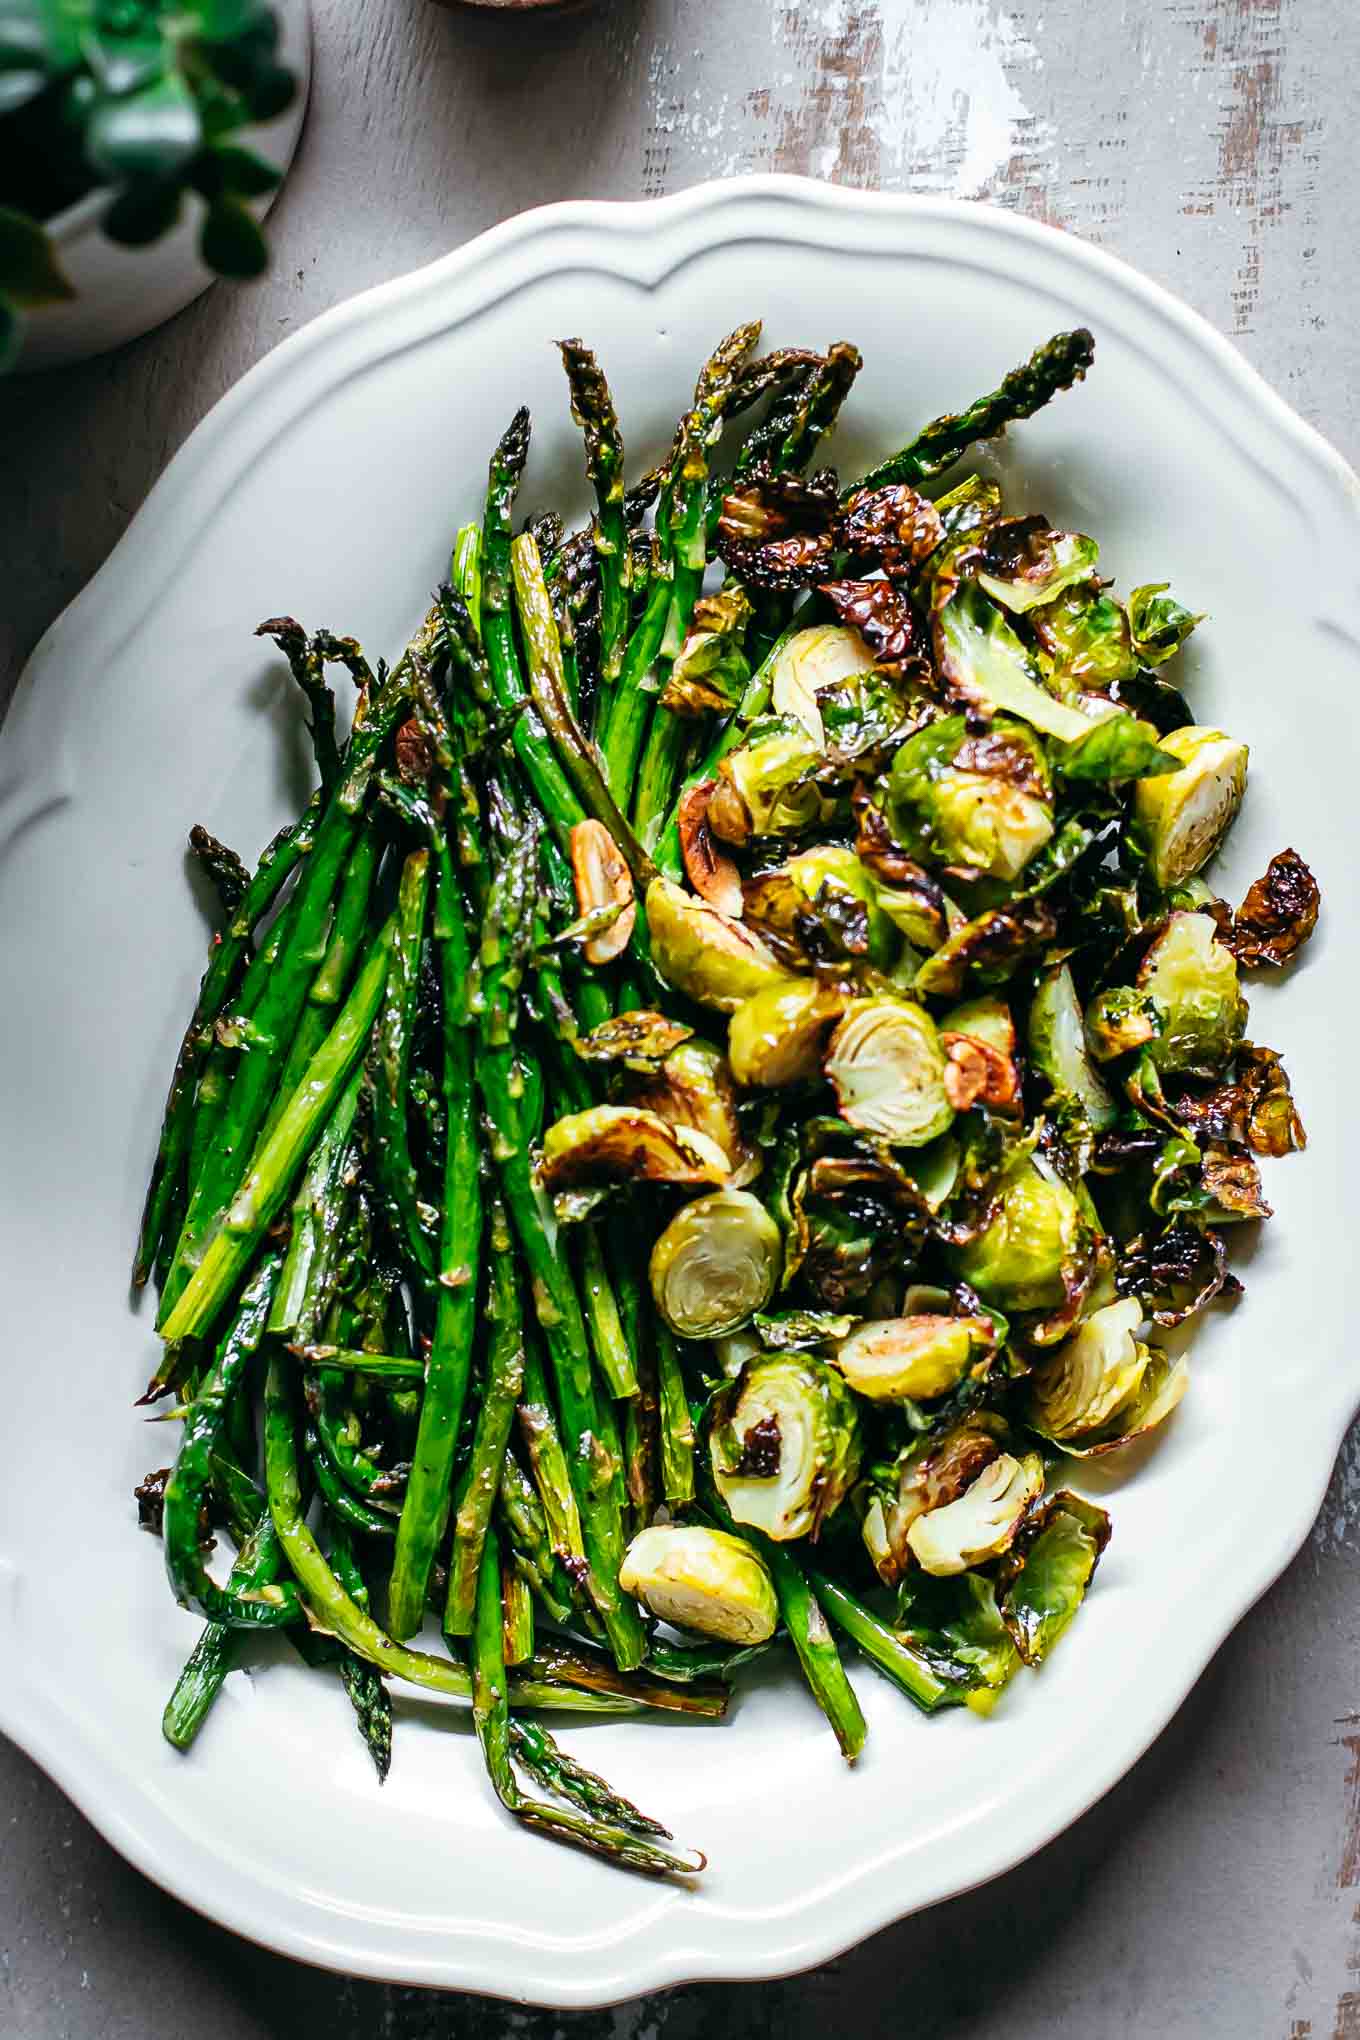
{"x": 1049, "y": 1571}
{"x": 1090, "y": 1375}
{"x": 987, "y": 666}
{"x": 1163, "y": 1384}
{"x": 1025, "y": 1257}
{"x": 692, "y": 1089}
{"x": 624, "y": 1144}
{"x": 701, "y": 953}
{"x": 1026, "y": 562}
{"x": 602, "y": 880}
{"x": 913, "y": 1358}
{"x": 1086, "y": 635}
{"x": 1057, "y": 1046}
{"x": 810, "y": 660}
{"x": 716, "y": 1264}
{"x": 983, "y": 803}
{"x": 987, "y": 950}
{"x": 776, "y": 1036}
{"x": 887, "y": 1068}
{"x": 852, "y": 1213}
{"x": 765, "y": 786}
{"x": 929, "y": 1474}
{"x": 1180, "y": 818}
{"x": 785, "y": 1444}
{"x": 822, "y": 903}
{"x": 1121, "y": 1019}
{"x": 1193, "y": 978}
{"x": 984, "y": 1520}
{"x": 701, "y": 1579}
{"x": 956, "y": 1625}
{"x": 833, "y": 869}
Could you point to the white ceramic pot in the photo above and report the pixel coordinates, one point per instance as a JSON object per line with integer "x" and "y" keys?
{"x": 121, "y": 292}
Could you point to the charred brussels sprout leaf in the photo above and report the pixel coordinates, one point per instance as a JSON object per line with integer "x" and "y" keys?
{"x": 776, "y": 533}
{"x": 893, "y": 528}
{"x": 1057, "y": 1047}
{"x": 711, "y": 959}
{"x": 981, "y": 802}
{"x": 692, "y": 1090}
{"x": 802, "y": 1406}
{"x": 638, "y": 1040}
{"x": 1085, "y": 634}
{"x": 1048, "y": 1572}
{"x": 1277, "y": 916}
{"x": 987, "y": 950}
{"x": 716, "y": 1264}
{"x": 711, "y": 668}
{"x": 852, "y": 1213}
{"x": 1192, "y": 976}
{"x": 1024, "y": 562}
{"x": 1175, "y": 1272}
{"x": 625, "y": 1144}
{"x": 801, "y": 1331}
{"x": 1181, "y": 817}
{"x": 1157, "y": 624}
{"x": 1115, "y": 749}
{"x": 1256, "y": 1109}
{"x": 701, "y": 1579}
{"x": 887, "y": 1068}
{"x": 956, "y": 1625}
{"x": 883, "y": 616}
{"x": 989, "y": 669}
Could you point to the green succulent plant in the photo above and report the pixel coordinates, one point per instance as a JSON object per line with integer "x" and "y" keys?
{"x": 144, "y": 99}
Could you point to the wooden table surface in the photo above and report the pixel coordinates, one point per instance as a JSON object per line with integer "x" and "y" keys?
{"x": 1215, "y": 1894}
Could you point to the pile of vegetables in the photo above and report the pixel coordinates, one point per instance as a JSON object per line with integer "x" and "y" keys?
{"x": 709, "y": 1111}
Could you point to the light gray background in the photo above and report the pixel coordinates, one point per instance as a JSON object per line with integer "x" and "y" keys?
{"x": 1215, "y": 1895}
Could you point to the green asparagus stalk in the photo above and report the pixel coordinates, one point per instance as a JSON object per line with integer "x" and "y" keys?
{"x": 393, "y": 1366}
{"x": 611, "y": 1344}
{"x": 333, "y": 1608}
{"x": 342, "y": 1504}
{"x": 517, "y": 1617}
{"x": 368, "y": 1696}
{"x": 1055, "y": 366}
{"x": 332, "y": 980}
{"x": 225, "y": 872}
{"x": 318, "y": 1213}
{"x": 500, "y": 1395}
{"x": 268, "y": 1607}
{"x": 893, "y": 1656}
{"x": 525, "y": 1527}
{"x": 550, "y": 1766}
{"x": 625, "y": 1846}
{"x": 228, "y": 950}
{"x": 591, "y": 1670}
{"x": 428, "y": 1494}
{"x": 547, "y": 1457}
{"x": 411, "y": 1220}
{"x": 308, "y": 669}
{"x": 592, "y": 407}
{"x": 465, "y": 571}
{"x": 252, "y": 1210}
{"x": 676, "y": 1423}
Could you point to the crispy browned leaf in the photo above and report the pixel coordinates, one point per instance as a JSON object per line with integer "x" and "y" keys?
{"x": 1278, "y": 914}
{"x": 150, "y": 1495}
{"x": 1256, "y": 1110}
{"x": 986, "y": 951}
{"x": 778, "y": 531}
{"x": 1233, "y": 1180}
{"x": 1176, "y": 1272}
{"x": 886, "y": 620}
{"x": 895, "y": 528}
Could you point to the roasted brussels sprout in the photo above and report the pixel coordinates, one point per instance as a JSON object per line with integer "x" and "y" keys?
{"x": 1085, "y": 634}
{"x": 639, "y": 1040}
{"x": 1057, "y": 1047}
{"x": 931, "y": 1472}
{"x": 785, "y": 1444}
{"x": 851, "y": 1211}
{"x": 1024, "y": 562}
{"x": 701, "y": 1579}
{"x": 989, "y": 669}
{"x": 1159, "y": 1391}
{"x": 956, "y": 1624}
{"x": 887, "y": 1068}
{"x": 981, "y": 803}
{"x": 913, "y": 1358}
{"x": 625, "y": 1144}
{"x": 776, "y": 1036}
{"x": 884, "y": 616}
{"x": 1180, "y": 818}
{"x": 712, "y": 960}
{"x": 1028, "y": 1256}
{"x": 1192, "y": 977}
{"x": 987, "y": 950}
{"x": 983, "y": 1522}
{"x": 1120, "y": 1020}
{"x": 1091, "y": 1375}
{"x": 716, "y": 1264}
{"x": 807, "y": 662}
{"x": 823, "y": 905}
{"x": 692, "y": 1089}
{"x": 766, "y": 785}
